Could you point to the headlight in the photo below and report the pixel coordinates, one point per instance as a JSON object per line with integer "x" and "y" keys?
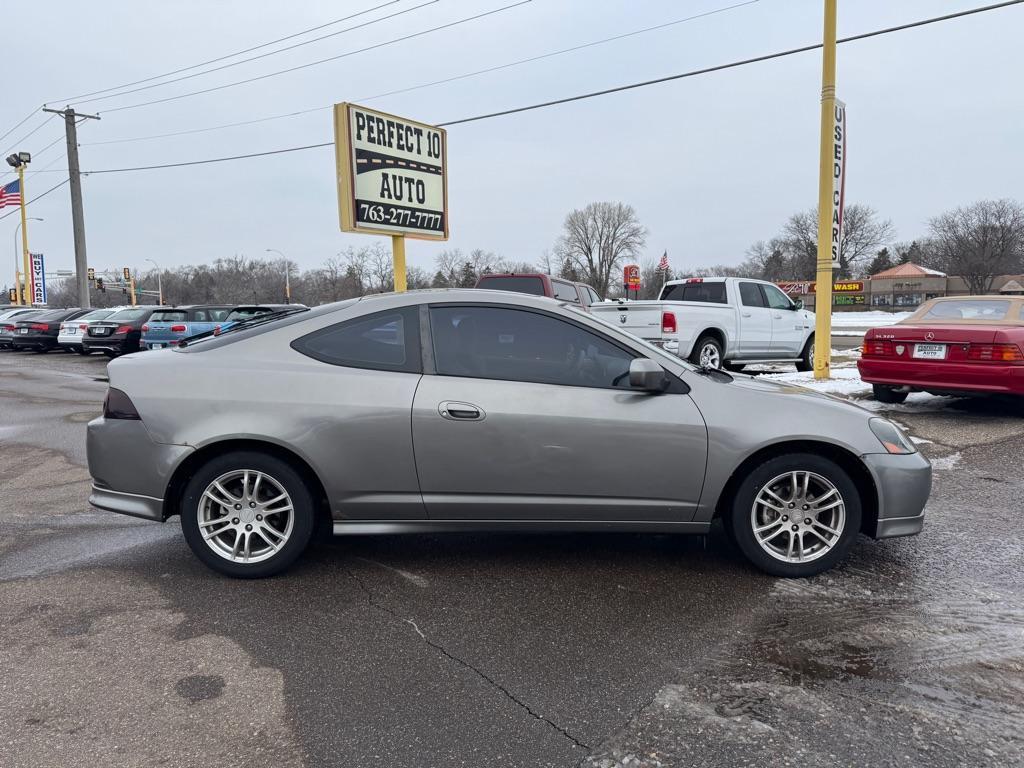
{"x": 892, "y": 438}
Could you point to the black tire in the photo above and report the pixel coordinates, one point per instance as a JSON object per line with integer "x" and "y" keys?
{"x": 806, "y": 361}
{"x": 735, "y": 367}
{"x": 706, "y": 341}
{"x": 110, "y": 353}
{"x": 83, "y": 351}
{"x": 304, "y": 513}
{"x": 739, "y": 524}
{"x": 884, "y": 394}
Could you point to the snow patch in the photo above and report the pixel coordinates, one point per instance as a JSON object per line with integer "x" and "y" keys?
{"x": 946, "y": 462}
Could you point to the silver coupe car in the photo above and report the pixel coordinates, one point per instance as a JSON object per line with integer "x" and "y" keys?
{"x": 465, "y": 410}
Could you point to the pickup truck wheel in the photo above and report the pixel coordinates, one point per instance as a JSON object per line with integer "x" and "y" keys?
{"x": 884, "y": 394}
{"x": 795, "y": 515}
{"x": 806, "y": 361}
{"x": 707, "y": 352}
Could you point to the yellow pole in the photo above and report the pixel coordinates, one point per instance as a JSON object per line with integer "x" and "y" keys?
{"x": 17, "y": 283}
{"x": 398, "y": 254}
{"x": 823, "y": 289}
{"x": 131, "y": 287}
{"x": 24, "y": 238}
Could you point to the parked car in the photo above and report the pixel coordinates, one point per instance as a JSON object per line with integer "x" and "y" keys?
{"x": 39, "y": 332}
{"x": 7, "y": 321}
{"x": 69, "y": 337}
{"x": 720, "y": 321}
{"x": 462, "y": 410}
{"x": 539, "y": 284}
{"x": 949, "y": 346}
{"x": 119, "y": 333}
{"x": 248, "y": 311}
{"x": 169, "y": 325}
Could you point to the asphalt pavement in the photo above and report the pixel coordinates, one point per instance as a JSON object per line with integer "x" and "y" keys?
{"x": 118, "y": 648}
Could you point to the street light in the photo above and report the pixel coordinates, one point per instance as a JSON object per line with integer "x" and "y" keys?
{"x": 17, "y": 271}
{"x": 18, "y": 161}
{"x": 287, "y": 274}
{"x": 159, "y": 280}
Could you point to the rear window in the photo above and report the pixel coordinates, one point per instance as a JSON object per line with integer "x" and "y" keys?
{"x": 244, "y": 313}
{"x": 168, "y": 316}
{"x": 532, "y": 285}
{"x": 707, "y": 293}
{"x": 977, "y": 309}
{"x": 97, "y": 314}
{"x": 128, "y": 315}
{"x": 565, "y": 291}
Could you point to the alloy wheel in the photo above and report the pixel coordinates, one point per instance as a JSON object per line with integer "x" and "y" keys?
{"x": 798, "y": 516}
{"x": 710, "y": 356}
{"x": 245, "y": 516}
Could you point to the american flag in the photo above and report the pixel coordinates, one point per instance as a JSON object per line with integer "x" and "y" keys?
{"x": 11, "y": 194}
{"x": 663, "y": 264}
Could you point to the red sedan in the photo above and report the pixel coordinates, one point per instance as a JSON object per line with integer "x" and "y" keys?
{"x": 953, "y": 345}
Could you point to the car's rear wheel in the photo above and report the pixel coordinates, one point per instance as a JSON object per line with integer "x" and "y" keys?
{"x": 247, "y": 514}
{"x": 795, "y": 515}
{"x": 884, "y": 394}
{"x": 806, "y": 361}
{"x": 83, "y": 351}
{"x": 707, "y": 352}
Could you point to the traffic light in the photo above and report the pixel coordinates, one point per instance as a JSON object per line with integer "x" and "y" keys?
{"x": 99, "y": 285}
{"x": 127, "y": 274}
{"x": 91, "y": 274}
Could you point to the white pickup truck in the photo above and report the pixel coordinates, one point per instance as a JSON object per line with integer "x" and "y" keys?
{"x": 720, "y": 321}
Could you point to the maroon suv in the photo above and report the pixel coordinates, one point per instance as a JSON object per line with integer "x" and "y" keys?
{"x": 539, "y": 284}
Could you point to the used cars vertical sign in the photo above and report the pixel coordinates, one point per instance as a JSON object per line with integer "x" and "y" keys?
{"x": 38, "y": 279}
{"x": 392, "y": 174}
{"x": 838, "y": 180}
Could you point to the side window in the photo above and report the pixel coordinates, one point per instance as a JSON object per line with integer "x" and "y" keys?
{"x": 594, "y": 298}
{"x": 518, "y": 345}
{"x": 565, "y": 291}
{"x": 750, "y": 295}
{"x": 385, "y": 341}
{"x": 200, "y": 316}
{"x": 776, "y": 298}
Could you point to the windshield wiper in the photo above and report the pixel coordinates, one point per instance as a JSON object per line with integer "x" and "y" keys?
{"x": 249, "y": 323}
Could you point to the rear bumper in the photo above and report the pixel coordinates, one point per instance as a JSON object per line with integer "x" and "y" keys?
{"x": 34, "y": 342}
{"x": 130, "y": 472}
{"x": 119, "y": 345}
{"x": 944, "y": 377}
{"x": 903, "y": 484}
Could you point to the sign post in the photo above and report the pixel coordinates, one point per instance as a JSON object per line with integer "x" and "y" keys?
{"x": 828, "y": 235}
{"x": 631, "y": 279}
{"x": 392, "y": 178}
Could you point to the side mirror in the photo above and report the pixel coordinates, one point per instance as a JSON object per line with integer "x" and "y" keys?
{"x": 647, "y": 375}
{"x": 798, "y": 304}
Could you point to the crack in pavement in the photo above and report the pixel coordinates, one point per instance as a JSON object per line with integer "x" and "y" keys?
{"x": 373, "y": 602}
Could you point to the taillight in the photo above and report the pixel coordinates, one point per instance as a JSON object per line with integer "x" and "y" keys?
{"x": 877, "y": 348}
{"x": 123, "y": 329}
{"x": 117, "y": 405}
{"x": 177, "y": 329}
{"x": 83, "y": 327}
{"x": 995, "y": 353}
{"x": 145, "y": 329}
{"x": 668, "y": 322}
{"x": 39, "y": 326}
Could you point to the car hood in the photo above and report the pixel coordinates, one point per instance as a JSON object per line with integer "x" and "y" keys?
{"x": 797, "y": 394}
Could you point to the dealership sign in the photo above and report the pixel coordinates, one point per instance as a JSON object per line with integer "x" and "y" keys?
{"x": 392, "y": 174}
{"x": 803, "y": 287}
{"x": 38, "y": 279}
{"x": 838, "y": 178}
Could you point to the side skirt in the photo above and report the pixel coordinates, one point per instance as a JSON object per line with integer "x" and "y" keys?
{"x": 382, "y": 527}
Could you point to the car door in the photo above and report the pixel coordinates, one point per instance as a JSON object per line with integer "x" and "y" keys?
{"x": 787, "y": 325}
{"x": 755, "y": 326}
{"x": 528, "y": 416}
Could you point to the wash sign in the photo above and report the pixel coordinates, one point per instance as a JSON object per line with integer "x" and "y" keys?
{"x": 392, "y": 174}
{"x": 838, "y": 178}
{"x": 38, "y": 278}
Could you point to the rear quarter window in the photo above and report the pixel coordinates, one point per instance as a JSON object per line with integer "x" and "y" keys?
{"x": 385, "y": 341}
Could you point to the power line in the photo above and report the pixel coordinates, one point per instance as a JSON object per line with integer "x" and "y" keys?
{"x": 15, "y": 145}
{"x": 19, "y": 124}
{"x": 464, "y": 76}
{"x": 40, "y": 196}
{"x": 323, "y": 61}
{"x": 592, "y": 94}
{"x": 226, "y": 56}
{"x": 264, "y": 55}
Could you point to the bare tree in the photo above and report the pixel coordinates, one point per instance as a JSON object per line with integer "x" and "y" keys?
{"x": 978, "y": 242}
{"x": 863, "y": 234}
{"x": 598, "y": 238}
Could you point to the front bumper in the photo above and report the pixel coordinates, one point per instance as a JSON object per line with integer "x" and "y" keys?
{"x": 904, "y": 484}
{"x": 130, "y": 471}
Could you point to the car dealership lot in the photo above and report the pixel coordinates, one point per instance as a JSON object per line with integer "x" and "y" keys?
{"x": 120, "y": 648}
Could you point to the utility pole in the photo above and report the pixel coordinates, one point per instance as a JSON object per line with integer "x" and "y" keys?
{"x": 823, "y": 289}
{"x": 77, "y": 215}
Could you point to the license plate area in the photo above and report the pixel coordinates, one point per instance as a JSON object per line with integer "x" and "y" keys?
{"x": 156, "y": 346}
{"x": 100, "y": 331}
{"x": 930, "y": 351}
{"x": 23, "y": 330}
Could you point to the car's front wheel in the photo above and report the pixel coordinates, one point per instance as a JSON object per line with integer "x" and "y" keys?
{"x": 795, "y": 515}
{"x": 891, "y": 395}
{"x": 247, "y": 514}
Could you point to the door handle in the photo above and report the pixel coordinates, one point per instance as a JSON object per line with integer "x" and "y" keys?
{"x": 745, "y": 314}
{"x": 456, "y": 411}
{"x": 777, "y": 317}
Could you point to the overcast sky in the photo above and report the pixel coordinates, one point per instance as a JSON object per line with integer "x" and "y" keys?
{"x": 711, "y": 163}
